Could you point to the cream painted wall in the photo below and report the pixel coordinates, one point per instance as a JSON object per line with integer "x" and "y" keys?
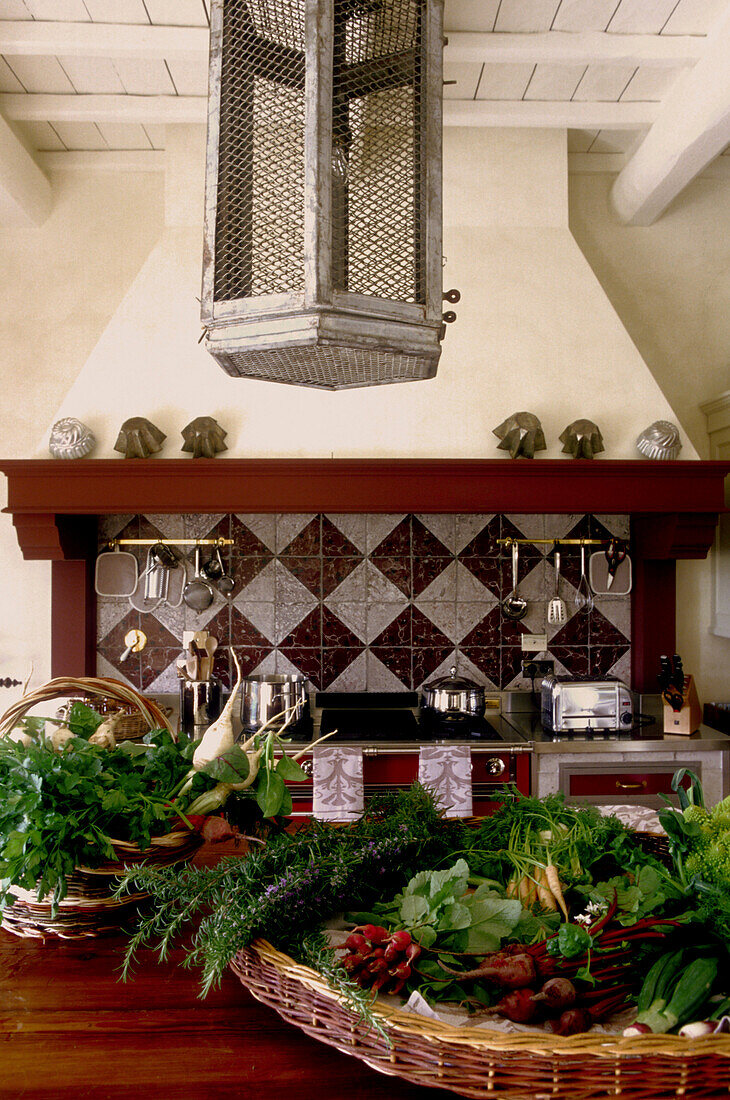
{"x": 670, "y": 284}
{"x": 60, "y": 285}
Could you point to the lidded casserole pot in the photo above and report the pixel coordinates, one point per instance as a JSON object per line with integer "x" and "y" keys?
{"x": 454, "y": 696}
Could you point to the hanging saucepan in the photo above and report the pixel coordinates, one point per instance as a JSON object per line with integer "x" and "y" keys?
{"x": 454, "y": 696}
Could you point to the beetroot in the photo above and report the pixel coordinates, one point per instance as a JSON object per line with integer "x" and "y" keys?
{"x": 509, "y": 971}
{"x": 557, "y": 993}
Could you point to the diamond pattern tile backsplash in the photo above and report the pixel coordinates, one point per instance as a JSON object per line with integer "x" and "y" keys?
{"x": 373, "y": 602}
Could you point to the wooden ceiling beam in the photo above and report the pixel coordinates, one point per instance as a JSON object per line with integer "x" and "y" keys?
{"x": 164, "y": 110}
{"x": 25, "y": 193}
{"x": 48, "y": 39}
{"x": 692, "y": 127}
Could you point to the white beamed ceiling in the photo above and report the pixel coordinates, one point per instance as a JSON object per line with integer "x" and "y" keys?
{"x": 97, "y": 77}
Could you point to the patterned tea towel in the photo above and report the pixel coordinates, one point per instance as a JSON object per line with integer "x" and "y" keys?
{"x": 446, "y": 770}
{"x": 338, "y": 786}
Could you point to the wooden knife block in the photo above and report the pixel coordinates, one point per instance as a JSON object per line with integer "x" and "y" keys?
{"x": 689, "y": 718}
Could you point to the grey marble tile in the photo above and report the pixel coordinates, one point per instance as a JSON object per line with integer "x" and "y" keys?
{"x": 443, "y": 615}
{"x": 353, "y": 526}
{"x": 444, "y": 586}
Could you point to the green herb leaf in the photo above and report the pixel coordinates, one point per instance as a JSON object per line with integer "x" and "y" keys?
{"x": 290, "y": 770}
{"x": 270, "y": 793}
{"x": 82, "y": 720}
{"x": 232, "y": 767}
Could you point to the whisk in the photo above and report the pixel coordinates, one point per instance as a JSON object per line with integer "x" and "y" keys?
{"x": 584, "y": 592}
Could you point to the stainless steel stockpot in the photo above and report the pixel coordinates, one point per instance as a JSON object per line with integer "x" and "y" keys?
{"x": 454, "y": 696}
{"x": 264, "y": 697}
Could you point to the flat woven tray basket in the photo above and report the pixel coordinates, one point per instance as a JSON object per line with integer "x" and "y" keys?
{"x": 90, "y": 908}
{"x": 486, "y": 1063}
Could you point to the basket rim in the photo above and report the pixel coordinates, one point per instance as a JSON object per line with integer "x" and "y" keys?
{"x": 488, "y": 1039}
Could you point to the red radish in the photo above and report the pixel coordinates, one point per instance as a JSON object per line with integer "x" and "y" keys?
{"x": 412, "y": 952}
{"x": 402, "y": 971}
{"x": 356, "y": 942}
{"x": 401, "y": 940}
{"x": 510, "y": 971}
{"x": 373, "y": 933}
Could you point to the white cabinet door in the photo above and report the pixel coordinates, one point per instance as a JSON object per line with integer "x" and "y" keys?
{"x": 718, "y": 427}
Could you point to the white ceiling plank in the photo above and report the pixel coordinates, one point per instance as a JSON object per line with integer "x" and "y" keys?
{"x": 119, "y": 135}
{"x": 156, "y": 134}
{"x": 8, "y": 80}
{"x": 108, "y": 160}
{"x": 554, "y": 81}
{"x": 40, "y": 136}
{"x": 691, "y": 129}
{"x": 31, "y": 38}
{"x": 40, "y": 74}
{"x": 144, "y": 77}
{"x": 582, "y": 164}
{"x": 92, "y": 75}
{"x": 694, "y": 16}
{"x": 470, "y": 15}
{"x": 183, "y": 13}
{"x": 14, "y": 9}
{"x": 526, "y": 15}
{"x": 117, "y": 11}
{"x": 25, "y": 193}
{"x": 584, "y": 15}
{"x": 603, "y": 82}
{"x": 110, "y": 108}
{"x": 561, "y": 116}
{"x": 559, "y": 47}
{"x": 616, "y": 141}
{"x": 641, "y": 16}
{"x": 71, "y": 11}
{"x": 580, "y": 141}
{"x": 649, "y": 84}
{"x": 504, "y": 81}
{"x": 465, "y": 80}
{"x": 190, "y": 77}
{"x": 80, "y": 135}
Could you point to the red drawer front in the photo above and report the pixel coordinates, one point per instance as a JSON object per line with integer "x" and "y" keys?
{"x": 621, "y": 783}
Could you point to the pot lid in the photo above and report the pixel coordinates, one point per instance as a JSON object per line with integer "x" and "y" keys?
{"x": 452, "y": 682}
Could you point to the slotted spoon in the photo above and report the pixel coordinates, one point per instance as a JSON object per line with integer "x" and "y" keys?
{"x": 556, "y": 607}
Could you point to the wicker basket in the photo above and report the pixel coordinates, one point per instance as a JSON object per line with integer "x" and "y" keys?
{"x": 90, "y": 908}
{"x": 487, "y": 1063}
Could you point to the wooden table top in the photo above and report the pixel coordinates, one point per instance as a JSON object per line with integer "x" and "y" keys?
{"x": 70, "y": 1028}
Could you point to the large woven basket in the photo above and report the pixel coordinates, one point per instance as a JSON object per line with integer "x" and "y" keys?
{"x": 487, "y": 1063}
{"x": 90, "y": 908}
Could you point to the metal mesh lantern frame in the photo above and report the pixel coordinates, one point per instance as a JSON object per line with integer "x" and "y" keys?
{"x": 322, "y": 262}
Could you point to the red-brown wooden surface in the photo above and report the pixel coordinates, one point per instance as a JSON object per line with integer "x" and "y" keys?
{"x": 70, "y": 1028}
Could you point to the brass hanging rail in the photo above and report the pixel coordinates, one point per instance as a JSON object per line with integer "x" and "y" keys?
{"x": 557, "y": 542}
{"x": 113, "y": 543}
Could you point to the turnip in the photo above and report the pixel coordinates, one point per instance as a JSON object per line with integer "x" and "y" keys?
{"x": 219, "y": 738}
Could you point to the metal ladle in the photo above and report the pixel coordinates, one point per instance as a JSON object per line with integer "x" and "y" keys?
{"x": 215, "y": 570}
{"x": 514, "y": 606}
{"x": 197, "y": 593}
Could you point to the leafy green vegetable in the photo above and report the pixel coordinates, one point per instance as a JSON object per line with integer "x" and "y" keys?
{"x": 572, "y": 940}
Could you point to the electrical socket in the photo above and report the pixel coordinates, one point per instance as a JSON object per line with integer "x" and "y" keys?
{"x": 533, "y": 669}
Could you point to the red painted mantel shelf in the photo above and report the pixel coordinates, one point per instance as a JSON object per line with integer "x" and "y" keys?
{"x": 674, "y": 508}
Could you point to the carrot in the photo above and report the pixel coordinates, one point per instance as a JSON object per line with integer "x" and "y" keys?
{"x": 553, "y": 881}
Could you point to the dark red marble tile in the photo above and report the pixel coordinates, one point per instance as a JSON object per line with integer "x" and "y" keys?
{"x": 487, "y": 632}
{"x": 245, "y": 543}
{"x": 576, "y": 632}
{"x": 113, "y": 640}
{"x": 396, "y": 569}
{"x": 510, "y": 664}
{"x": 426, "y": 633}
{"x": 398, "y": 543}
{"x": 397, "y": 659}
{"x": 220, "y": 530}
{"x": 244, "y": 570}
{"x": 220, "y": 625}
{"x": 398, "y": 633}
{"x": 250, "y": 657}
{"x": 603, "y": 632}
{"x": 308, "y": 543}
{"x": 335, "y": 633}
{"x": 570, "y": 555}
{"x": 154, "y": 660}
{"x": 222, "y": 665}
{"x": 426, "y": 661}
{"x": 307, "y": 570}
{"x": 485, "y": 545}
{"x": 335, "y": 544}
{"x": 424, "y": 543}
{"x": 601, "y": 658}
{"x": 308, "y": 662}
{"x": 244, "y": 633}
{"x": 158, "y": 635}
{"x": 147, "y": 530}
{"x": 488, "y": 570}
{"x": 486, "y": 658}
{"x": 598, "y": 530}
{"x": 334, "y": 572}
{"x": 335, "y": 659}
{"x": 426, "y": 570}
{"x": 306, "y": 634}
{"x": 511, "y": 631}
{"x": 574, "y": 658}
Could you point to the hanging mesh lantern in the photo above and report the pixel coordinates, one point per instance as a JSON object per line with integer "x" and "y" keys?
{"x": 322, "y": 261}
